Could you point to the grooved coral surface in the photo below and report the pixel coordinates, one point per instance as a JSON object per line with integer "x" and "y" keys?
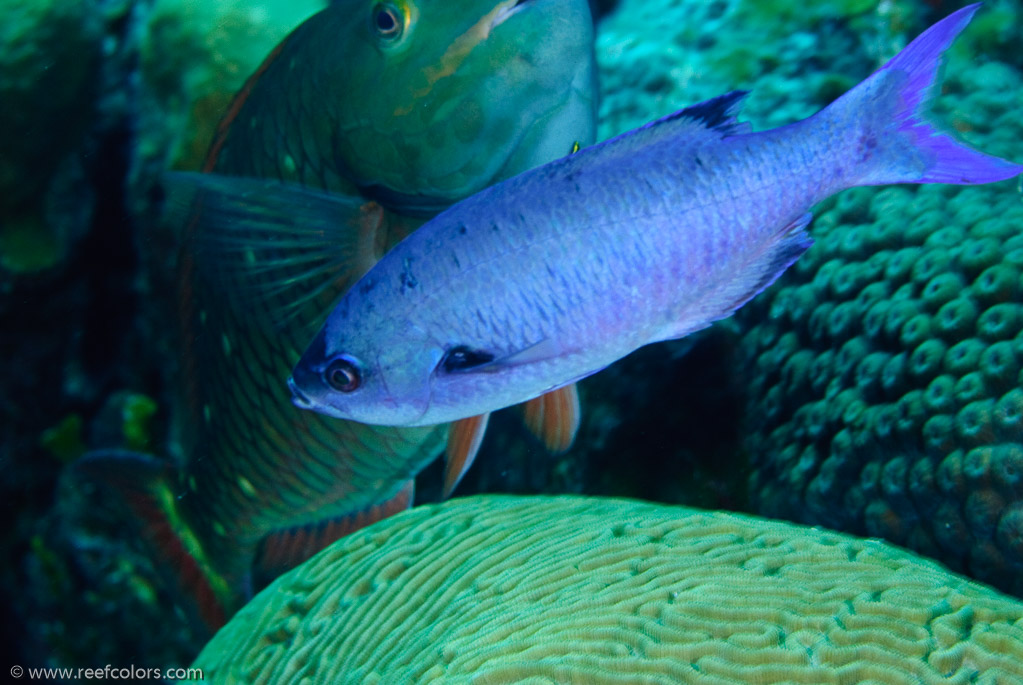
{"x": 494, "y": 589}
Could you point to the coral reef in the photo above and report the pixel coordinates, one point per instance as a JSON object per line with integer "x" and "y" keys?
{"x": 885, "y": 368}
{"x": 49, "y": 63}
{"x": 890, "y": 406}
{"x": 98, "y": 96}
{"x": 194, "y": 57}
{"x": 565, "y": 589}
{"x": 658, "y": 57}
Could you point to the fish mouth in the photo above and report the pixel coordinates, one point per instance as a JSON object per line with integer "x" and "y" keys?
{"x": 508, "y": 9}
{"x": 298, "y": 398}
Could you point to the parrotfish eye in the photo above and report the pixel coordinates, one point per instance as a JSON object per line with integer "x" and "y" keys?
{"x": 342, "y": 375}
{"x": 387, "y": 20}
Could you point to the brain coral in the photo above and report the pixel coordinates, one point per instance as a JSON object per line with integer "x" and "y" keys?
{"x": 498, "y": 589}
{"x": 885, "y": 385}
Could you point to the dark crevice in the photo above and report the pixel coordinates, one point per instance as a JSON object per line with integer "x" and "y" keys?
{"x": 109, "y": 259}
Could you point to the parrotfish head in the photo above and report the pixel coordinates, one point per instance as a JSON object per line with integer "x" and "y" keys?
{"x": 437, "y": 99}
{"x": 340, "y": 376}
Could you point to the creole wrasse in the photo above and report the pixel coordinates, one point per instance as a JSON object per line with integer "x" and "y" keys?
{"x": 400, "y": 108}
{"x": 551, "y": 276}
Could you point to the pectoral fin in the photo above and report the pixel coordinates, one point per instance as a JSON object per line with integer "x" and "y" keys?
{"x": 554, "y": 418}
{"x": 464, "y": 439}
{"x": 273, "y": 246}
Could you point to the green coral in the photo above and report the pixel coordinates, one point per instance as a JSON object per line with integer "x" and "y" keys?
{"x": 493, "y": 589}
{"x": 906, "y": 318}
{"x": 657, "y": 57}
{"x": 137, "y": 414}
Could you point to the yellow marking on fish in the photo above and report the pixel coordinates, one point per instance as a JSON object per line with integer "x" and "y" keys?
{"x": 457, "y": 51}
{"x": 246, "y": 486}
{"x": 575, "y": 147}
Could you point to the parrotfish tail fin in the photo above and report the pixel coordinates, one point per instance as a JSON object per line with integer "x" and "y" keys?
{"x": 274, "y": 246}
{"x": 139, "y": 490}
{"x": 464, "y": 439}
{"x": 554, "y": 418}
{"x": 896, "y": 141}
{"x": 283, "y": 550}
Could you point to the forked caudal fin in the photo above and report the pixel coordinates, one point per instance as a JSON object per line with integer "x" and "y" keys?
{"x": 893, "y": 140}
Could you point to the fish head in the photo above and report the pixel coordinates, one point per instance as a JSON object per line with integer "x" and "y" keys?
{"x": 344, "y": 375}
{"x": 438, "y": 99}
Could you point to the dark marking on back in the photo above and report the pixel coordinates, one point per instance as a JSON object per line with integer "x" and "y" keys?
{"x": 717, "y": 113}
{"x": 367, "y": 285}
{"x": 408, "y": 281}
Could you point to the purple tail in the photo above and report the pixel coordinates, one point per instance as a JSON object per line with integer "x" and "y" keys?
{"x": 895, "y": 142}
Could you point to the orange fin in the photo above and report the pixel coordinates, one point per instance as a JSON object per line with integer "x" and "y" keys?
{"x": 283, "y": 550}
{"x": 554, "y": 418}
{"x": 464, "y": 439}
{"x": 141, "y": 486}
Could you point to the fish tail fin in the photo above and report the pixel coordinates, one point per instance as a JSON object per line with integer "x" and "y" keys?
{"x": 896, "y": 141}
{"x": 139, "y": 490}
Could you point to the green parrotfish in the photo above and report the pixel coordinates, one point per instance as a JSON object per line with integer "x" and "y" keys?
{"x": 401, "y": 108}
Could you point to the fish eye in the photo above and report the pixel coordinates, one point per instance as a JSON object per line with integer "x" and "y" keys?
{"x": 387, "y": 20}
{"x": 342, "y": 375}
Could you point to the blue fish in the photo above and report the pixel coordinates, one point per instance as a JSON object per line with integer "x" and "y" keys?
{"x": 548, "y": 277}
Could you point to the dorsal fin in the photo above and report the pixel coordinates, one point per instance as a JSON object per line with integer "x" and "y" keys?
{"x": 685, "y": 130}
{"x": 717, "y": 114}
{"x": 713, "y": 119}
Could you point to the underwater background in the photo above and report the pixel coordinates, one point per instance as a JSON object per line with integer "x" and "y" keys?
{"x": 874, "y": 389}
